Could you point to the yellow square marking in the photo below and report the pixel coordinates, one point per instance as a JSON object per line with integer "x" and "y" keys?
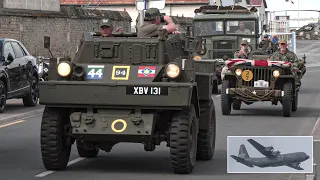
{"x": 126, "y": 71}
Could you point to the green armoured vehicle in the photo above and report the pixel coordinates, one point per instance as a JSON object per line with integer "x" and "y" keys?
{"x": 251, "y": 81}
{"x": 129, "y": 89}
{"x": 224, "y": 27}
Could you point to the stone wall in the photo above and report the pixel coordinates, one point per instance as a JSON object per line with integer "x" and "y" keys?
{"x": 65, "y": 28}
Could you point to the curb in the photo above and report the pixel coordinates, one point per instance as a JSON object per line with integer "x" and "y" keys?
{"x": 22, "y": 115}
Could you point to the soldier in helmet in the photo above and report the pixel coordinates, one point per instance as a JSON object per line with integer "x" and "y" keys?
{"x": 152, "y": 21}
{"x": 243, "y": 53}
{"x": 106, "y": 28}
{"x": 266, "y": 43}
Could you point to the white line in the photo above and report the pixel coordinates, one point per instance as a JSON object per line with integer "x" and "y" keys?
{"x": 218, "y": 95}
{"x": 315, "y": 125}
{"x": 69, "y": 163}
{"x": 313, "y": 71}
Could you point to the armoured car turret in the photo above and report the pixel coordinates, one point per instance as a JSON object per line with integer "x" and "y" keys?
{"x": 129, "y": 89}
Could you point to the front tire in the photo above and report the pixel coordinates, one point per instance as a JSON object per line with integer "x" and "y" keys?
{"x": 207, "y": 137}
{"x": 295, "y": 102}
{"x": 287, "y": 99}
{"x": 32, "y": 98}
{"x": 56, "y": 138}
{"x": 225, "y": 99}
{"x": 183, "y": 140}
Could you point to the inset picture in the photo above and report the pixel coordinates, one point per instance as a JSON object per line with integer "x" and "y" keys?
{"x": 270, "y": 154}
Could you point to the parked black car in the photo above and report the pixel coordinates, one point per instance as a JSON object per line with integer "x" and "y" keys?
{"x": 18, "y": 74}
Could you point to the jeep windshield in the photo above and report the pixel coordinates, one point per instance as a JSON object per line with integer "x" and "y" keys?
{"x": 208, "y": 28}
{"x": 241, "y": 27}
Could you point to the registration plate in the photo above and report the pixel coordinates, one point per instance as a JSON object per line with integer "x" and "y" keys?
{"x": 147, "y": 90}
{"x": 261, "y": 83}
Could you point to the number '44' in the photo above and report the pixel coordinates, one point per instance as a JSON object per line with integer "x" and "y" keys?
{"x": 95, "y": 72}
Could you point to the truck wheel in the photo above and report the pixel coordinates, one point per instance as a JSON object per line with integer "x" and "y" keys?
{"x": 295, "y": 102}
{"x": 3, "y": 96}
{"x": 56, "y": 138}
{"x": 183, "y": 140}
{"x": 32, "y": 98}
{"x": 88, "y": 153}
{"x": 287, "y": 100}
{"x": 207, "y": 137}
{"x": 236, "y": 105}
{"x": 225, "y": 99}
{"x": 215, "y": 88}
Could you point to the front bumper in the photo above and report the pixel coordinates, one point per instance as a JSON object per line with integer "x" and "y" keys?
{"x": 113, "y": 125}
{"x": 97, "y": 94}
{"x": 246, "y": 94}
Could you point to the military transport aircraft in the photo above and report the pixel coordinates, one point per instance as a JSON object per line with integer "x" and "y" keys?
{"x": 272, "y": 159}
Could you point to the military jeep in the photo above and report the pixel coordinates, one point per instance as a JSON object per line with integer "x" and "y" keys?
{"x": 129, "y": 89}
{"x": 250, "y": 81}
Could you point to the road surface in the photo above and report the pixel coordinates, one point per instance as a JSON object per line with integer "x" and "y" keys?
{"x": 21, "y": 158}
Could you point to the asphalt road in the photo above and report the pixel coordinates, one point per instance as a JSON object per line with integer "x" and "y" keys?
{"x": 21, "y": 158}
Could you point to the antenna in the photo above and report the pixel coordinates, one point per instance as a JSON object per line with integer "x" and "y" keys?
{"x": 98, "y": 5}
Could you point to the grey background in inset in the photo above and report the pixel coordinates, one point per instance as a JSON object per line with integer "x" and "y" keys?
{"x": 284, "y": 144}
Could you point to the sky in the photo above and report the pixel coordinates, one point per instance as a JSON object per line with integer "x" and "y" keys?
{"x": 279, "y": 5}
{"x": 283, "y": 144}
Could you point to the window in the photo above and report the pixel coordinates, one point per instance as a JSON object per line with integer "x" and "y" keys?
{"x": 208, "y": 28}
{"x": 8, "y": 49}
{"x": 241, "y": 27}
{"x": 17, "y": 49}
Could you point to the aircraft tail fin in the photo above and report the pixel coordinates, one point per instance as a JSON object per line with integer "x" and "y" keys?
{"x": 242, "y": 161}
{"x": 243, "y": 153}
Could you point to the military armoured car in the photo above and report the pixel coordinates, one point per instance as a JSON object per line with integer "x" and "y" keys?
{"x": 224, "y": 27}
{"x": 250, "y": 81}
{"x": 129, "y": 89}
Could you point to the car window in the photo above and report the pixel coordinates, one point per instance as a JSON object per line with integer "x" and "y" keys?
{"x": 8, "y": 49}
{"x": 17, "y": 49}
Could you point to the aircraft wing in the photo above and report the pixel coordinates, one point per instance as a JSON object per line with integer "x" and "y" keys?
{"x": 295, "y": 166}
{"x": 263, "y": 150}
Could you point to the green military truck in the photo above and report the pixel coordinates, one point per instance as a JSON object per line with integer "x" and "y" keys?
{"x": 224, "y": 27}
{"x": 129, "y": 89}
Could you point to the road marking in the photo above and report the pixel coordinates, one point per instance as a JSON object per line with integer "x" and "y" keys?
{"x": 12, "y": 123}
{"x": 313, "y": 71}
{"x": 69, "y": 163}
{"x": 218, "y": 95}
{"x": 27, "y": 117}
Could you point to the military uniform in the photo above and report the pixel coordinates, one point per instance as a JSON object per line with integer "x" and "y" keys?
{"x": 288, "y": 56}
{"x": 245, "y": 31}
{"x": 265, "y": 44}
{"x": 148, "y": 29}
{"x": 237, "y": 56}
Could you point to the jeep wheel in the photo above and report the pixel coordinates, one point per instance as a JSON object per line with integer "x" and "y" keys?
{"x": 32, "y": 98}
{"x": 56, "y": 140}
{"x": 225, "y": 99}
{"x": 215, "y": 87}
{"x": 183, "y": 140}
{"x": 88, "y": 153}
{"x": 287, "y": 99}
{"x": 207, "y": 137}
{"x": 3, "y": 96}
{"x": 236, "y": 105}
{"x": 295, "y": 102}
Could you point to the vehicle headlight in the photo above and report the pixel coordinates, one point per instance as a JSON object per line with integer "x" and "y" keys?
{"x": 238, "y": 72}
{"x": 172, "y": 70}
{"x": 197, "y": 58}
{"x": 64, "y": 69}
{"x": 276, "y": 73}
